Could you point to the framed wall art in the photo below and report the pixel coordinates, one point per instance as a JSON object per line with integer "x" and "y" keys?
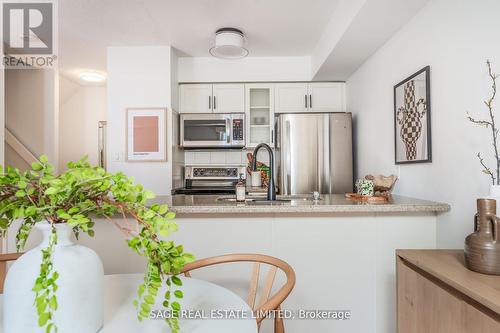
{"x": 412, "y": 119}
{"x": 146, "y": 135}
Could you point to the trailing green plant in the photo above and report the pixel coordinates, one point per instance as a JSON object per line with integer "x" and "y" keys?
{"x": 492, "y": 125}
{"x": 76, "y": 197}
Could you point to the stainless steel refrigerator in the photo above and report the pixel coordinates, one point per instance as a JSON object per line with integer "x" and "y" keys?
{"x": 315, "y": 153}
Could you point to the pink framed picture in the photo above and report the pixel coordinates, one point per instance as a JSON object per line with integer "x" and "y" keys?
{"x": 146, "y": 135}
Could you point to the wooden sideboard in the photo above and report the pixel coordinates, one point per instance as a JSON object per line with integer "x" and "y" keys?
{"x": 436, "y": 293}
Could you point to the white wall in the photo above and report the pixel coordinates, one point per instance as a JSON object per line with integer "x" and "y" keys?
{"x": 2, "y": 116}
{"x": 204, "y": 69}
{"x": 455, "y": 38}
{"x": 81, "y": 108}
{"x": 138, "y": 77}
{"x": 32, "y": 109}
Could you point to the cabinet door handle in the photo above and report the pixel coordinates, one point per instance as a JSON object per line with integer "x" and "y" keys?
{"x": 210, "y": 102}
{"x": 305, "y": 100}
{"x": 311, "y": 101}
{"x": 272, "y": 136}
{"x": 214, "y": 104}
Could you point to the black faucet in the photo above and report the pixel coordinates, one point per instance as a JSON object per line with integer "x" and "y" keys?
{"x": 271, "y": 190}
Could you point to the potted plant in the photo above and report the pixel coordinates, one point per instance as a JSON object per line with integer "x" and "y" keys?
{"x": 490, "y": 123}
{"x": 59, "y": 278}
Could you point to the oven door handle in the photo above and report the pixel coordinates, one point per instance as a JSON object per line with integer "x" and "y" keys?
{"x": 228, "y": 130}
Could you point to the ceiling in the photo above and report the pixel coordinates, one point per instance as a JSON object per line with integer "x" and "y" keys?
{"x": 273, "y": 27}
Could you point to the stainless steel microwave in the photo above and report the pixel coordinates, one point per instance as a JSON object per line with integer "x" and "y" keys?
{"x": 206, "y": 130}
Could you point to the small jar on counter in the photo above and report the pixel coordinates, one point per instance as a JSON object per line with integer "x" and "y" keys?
{"x": 241, "y": 189}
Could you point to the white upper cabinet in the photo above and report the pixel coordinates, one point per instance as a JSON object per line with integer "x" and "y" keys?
{"x": 310, "y": 97}
{"x": 290, "y": 97}
{"x": 326, "y": 97}
{"x": 259, "y": 114}
{"x": 229, "y": 98}
{"x": 208, "y": 98}
{"x": 195, "y": 98}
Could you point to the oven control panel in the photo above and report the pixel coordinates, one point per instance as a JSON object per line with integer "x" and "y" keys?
{"x": 208, "y": 172}
{"x": 238, "y": 133}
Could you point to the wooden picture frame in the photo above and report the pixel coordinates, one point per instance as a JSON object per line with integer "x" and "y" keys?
{"x": 412, "y": 119}
{"x": 146, "y": 135}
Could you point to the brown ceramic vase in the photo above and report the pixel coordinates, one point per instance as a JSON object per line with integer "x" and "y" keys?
{"x": 482, "y": 247}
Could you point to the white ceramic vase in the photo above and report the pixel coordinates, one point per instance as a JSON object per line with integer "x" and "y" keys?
{"x": 495, "y": 193}
{"x": 79, "y": 293}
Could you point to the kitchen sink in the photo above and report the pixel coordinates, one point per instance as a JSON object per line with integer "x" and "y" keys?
{"x": 263, "y": 200}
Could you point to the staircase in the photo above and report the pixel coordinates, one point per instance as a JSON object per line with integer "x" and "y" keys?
{"x": 17, "y": 155}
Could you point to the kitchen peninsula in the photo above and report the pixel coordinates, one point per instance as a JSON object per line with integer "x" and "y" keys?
{"x": 342, "y": 251}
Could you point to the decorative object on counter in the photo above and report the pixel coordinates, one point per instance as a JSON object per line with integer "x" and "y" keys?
{"x": 364, "y": 187}
{"x": 57, "y": 286}
{"x": 482, "y": 247}
{"x": 146, "y": 135}
{"x": 256, "y": 179}
{"x": 382, "y": 185}
{"x": 373, "y": 188}
{"x": 241, "y": 189}
{"x": 412, "y": 118}
{"x": 491, "y": 125}
{"x": 264, "y": 170}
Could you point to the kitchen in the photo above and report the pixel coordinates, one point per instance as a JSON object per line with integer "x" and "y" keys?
{"x": 285, "y": 137}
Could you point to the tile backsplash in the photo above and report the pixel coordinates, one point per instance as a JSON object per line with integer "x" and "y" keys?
{"x": 220, "y": 157}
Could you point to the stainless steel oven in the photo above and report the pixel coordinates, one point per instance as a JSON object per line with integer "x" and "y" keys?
{"x": 213, "y": 130}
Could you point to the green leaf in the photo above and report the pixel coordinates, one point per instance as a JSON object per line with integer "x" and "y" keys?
{"x": 188, "y": 257}
{"x": 44, "y": 159}
{"x": 163, "y": 209}
{"x": 4, "y": 223}
{"x": 176, "y": 281}
{"x": 36, "y": 166}
{"x": 22, "y": 184}
{"x": 176, "y": 306}
{"x": 149, "y": 195}
{"x": 50, "y": 191}
{"x": 51, "y": 327}
{"x": 43, "y": 318}
{"x": 20, "y": 193}
{"x": 53, "y": 303}
{"x": 63, "y": 215}
{"x": 178, "y": 294}
{"x": 149, "y": 299}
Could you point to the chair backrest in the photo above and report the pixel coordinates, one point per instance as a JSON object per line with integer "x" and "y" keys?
{"x": 4, "y": 258}
{"x": 265, "y": 303}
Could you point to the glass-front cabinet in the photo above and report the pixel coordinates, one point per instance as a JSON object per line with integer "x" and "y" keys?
{"x": 260, "y": 114}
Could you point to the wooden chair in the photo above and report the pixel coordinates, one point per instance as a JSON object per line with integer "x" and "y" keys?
{"x": 4, "y": 258}
{"x": 265, "y": 304}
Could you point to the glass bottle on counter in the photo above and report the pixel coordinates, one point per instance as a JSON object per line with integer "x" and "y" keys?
{"x": 240, "y": 189}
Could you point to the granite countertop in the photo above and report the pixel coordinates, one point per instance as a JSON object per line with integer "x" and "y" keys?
{"x": 335, "y": 203}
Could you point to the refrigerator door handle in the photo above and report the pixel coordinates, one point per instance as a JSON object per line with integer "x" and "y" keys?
{"x": 287, "y": 186}
{"x": 305, "y": 101}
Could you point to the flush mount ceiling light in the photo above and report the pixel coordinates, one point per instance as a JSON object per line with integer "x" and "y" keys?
{"x": 92, "y": 77}
{"x": 229, "y": 44}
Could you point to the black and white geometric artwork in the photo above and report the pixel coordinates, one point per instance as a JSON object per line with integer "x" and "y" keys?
{"x": 412, "y": 119}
